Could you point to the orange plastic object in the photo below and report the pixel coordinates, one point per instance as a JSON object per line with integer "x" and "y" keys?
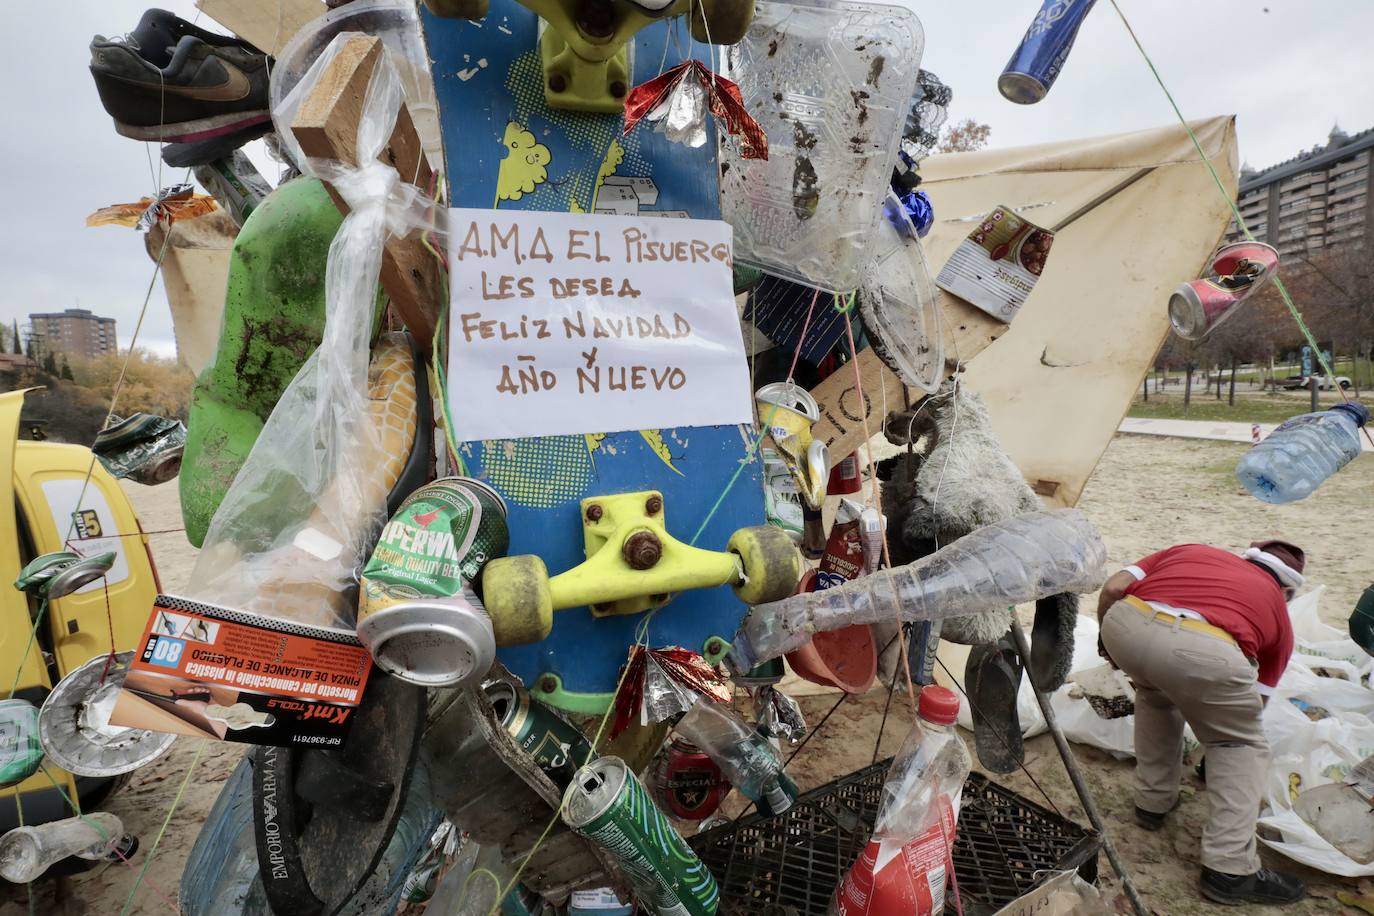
{"x": 847, "y": 658}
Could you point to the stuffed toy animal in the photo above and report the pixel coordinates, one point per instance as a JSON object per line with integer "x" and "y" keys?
{"x": 957, "y": 481}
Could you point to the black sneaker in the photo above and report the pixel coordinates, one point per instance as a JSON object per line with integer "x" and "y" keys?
{"x": 168, "y": 80}
{"x": 1264, "y": 886}
{"x": 203, "y": 152}
{"x": 1149, "y": 820}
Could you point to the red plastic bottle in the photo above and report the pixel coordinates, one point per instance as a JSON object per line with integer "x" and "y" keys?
{"x": 903, "y": 869}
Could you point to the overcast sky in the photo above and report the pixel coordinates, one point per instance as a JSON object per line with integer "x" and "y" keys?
{"x": 1288, "y": 68}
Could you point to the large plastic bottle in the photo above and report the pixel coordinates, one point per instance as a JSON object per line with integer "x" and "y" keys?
{"x": 747, "y": 759}
{"x": 1295, "y": 458}
{"x": 903, "y": 869}
{"x": 1026, "y": 558}
{"x": 27, "y": 852}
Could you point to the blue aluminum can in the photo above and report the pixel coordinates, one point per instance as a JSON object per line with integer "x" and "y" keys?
{"x": 1035, "y": 66}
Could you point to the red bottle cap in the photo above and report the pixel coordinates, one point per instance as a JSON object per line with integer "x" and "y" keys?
{"x": 939, "y": 705}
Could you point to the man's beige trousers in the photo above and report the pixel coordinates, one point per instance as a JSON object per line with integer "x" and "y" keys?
{"x": 1184, "y": 675}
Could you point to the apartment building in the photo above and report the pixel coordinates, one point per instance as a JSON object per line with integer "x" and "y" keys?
{"x": 1318, "y": 199}
{"x": 74, "y": 332}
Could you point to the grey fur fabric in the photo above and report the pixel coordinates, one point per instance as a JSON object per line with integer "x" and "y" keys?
{"x": 959, "y": 481}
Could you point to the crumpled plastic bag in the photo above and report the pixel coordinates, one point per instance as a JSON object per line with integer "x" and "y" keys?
{"x": 1307, "y": 752}
{"x": 305, "y": 508}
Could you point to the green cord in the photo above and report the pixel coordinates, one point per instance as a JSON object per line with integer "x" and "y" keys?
{"x": 33, "y": 634}
{"x": 1226, "y": 196}
{"x": 148, "y": 859}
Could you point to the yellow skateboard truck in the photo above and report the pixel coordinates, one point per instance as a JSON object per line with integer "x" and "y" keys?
{"x": 633, "y": 564}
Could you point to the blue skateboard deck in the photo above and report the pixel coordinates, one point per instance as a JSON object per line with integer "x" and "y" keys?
{"x": 506, "y": 149}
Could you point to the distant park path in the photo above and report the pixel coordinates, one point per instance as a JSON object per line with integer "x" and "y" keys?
{"x": 1219, "y": 430}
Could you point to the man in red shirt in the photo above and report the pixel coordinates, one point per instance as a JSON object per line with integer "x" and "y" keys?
{"x": 1205, "y": 636}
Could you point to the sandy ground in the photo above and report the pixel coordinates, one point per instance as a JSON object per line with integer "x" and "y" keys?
{"x": 1147, "y": 493}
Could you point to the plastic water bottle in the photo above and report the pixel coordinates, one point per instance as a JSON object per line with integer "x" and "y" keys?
{"x": 1026, "y": 558}
{"x": 903, "y": 868}
{"x": 27, "y": 852}
{"x": 747, "y": 759}
{"x": 1302, "y": 453}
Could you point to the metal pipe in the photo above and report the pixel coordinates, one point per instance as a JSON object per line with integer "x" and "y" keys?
{"x": 1061, "y": 743}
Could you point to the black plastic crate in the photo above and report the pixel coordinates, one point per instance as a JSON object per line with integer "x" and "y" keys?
{"x": 1003, "y": 847}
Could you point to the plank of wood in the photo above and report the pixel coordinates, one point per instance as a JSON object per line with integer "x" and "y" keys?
{"x": 326, "y": 127}
{"x": 843, "y": 412}
{"x": 266, "y": 24}
{"x": 967, "y": 331}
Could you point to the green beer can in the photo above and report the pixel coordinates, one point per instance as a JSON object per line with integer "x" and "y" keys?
{"x": 607, "y": 804}
{"x": 556, "y": 745}
{"x": 417, "y": 612}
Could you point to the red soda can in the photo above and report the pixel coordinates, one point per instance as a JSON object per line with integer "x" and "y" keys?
{"x": 688, "y": 784}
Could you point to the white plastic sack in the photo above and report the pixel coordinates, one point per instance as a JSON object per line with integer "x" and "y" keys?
{"x": 1308, "y": 753}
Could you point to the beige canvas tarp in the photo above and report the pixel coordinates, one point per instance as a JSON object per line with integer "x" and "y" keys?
{"x": 1060, "y": 380}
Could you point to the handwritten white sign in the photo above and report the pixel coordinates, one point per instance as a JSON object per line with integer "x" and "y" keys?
{"x": 566, "y": 323}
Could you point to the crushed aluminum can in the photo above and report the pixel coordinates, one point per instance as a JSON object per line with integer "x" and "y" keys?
{"x": 417, "y": 614}
{"x": 20, "y": 751}
{"x": 142, "y": 447}
{"x": 778, "y": 715}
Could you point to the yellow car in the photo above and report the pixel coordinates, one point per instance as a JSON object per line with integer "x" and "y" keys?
{"x": 45, "y": 510}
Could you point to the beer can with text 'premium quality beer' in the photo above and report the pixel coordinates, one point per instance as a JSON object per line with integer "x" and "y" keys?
{"x": 607, "y": 804}
{"x": 417, "y": 612}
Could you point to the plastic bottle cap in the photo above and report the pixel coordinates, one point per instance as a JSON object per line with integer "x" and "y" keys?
{"x": 939, "y": 705}
{"x": 1358, "y": 412}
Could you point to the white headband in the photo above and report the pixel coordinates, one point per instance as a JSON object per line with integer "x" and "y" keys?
{"x": 1287, "y": 574}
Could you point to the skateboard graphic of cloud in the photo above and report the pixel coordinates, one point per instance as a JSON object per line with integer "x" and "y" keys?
{"x": 525, "y": 166}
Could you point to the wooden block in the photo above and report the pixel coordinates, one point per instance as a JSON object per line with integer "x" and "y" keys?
{"x": 326, "y": 127}
{"x": 266, "y": 24}
{"x": 967, "y": 331}
{"x": 843, "y": 412}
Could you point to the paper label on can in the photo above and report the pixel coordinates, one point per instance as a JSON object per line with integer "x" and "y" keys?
{"x": 998, "y": 264}
{"x": 215, "y": 672}
{"x": 596, "y": 901}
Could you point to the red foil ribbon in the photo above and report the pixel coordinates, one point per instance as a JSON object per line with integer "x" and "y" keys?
{"x": 722, "y": 95}
{"x": 685, "y": 667}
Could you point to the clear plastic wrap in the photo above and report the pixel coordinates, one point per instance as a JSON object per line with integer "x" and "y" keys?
{"x": 898, "y": 304}
{"x": 832, "y": 83}
{"x": 1022, "y": 559}
{"x": 397, "y": 24}
{"x": 748, "y": 760}
{"x": 304, "y": 507}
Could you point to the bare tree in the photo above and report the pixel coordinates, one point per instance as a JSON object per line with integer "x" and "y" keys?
{"x": 965, "y": 137}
